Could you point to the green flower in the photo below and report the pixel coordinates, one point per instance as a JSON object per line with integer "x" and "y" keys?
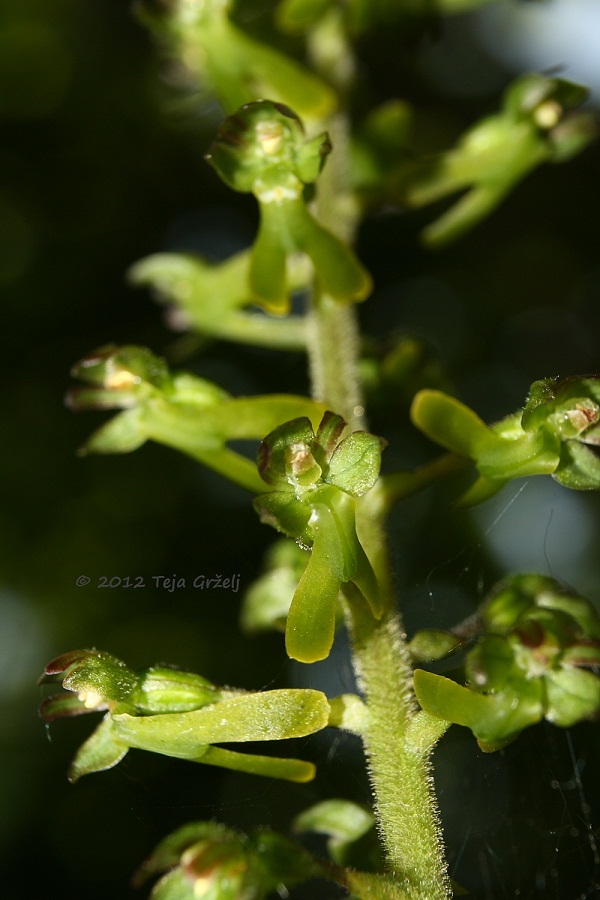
{"x": 536, "y": 124}
{"x": 212, "y": 298}
{"x": 177, "y": 714}
{"x": 537, "y": 657}
{"x": 317, "y": 479}
{"x": 557, "y": 433}
{"x": 189, "y": 414}
{"x": 262, "y": 150}
{"x": 237, "y": 68}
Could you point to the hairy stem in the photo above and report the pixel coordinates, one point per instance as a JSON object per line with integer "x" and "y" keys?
{"x": 400, "y": 774}
{"x": 333, "y": 335}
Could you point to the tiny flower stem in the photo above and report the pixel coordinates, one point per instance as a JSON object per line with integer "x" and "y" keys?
{"x": 400, "y": 485}
{"x": 168, "y": 427}
{"x": 263, "y": 331}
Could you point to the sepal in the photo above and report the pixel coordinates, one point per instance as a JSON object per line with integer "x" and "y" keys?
{"x": 99, "y": 680}
{"x": 103, "y": 750}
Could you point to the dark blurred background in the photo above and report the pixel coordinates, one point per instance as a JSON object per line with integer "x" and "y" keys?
{"x": 101, "y": 164}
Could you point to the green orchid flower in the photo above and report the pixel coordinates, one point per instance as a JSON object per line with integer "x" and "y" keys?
{"x": 317, "y": 479}
{"x": 180, "y": 410}
{"x": 536, "y": 124}
{"x": 211, "y": 298}
{"x": 262, "y": 150}
{"x": 556, "y": 434}
{"x": 537, "y": 656}
{"x": 238, "y": 68}
{"x": 177, "y": 714}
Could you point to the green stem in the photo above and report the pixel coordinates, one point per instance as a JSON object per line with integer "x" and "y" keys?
{"x": 333, "y": 346}
{"x": 168, "y": 427}
{"x": 400, "y": 485}
{"x": 400, "y": 773}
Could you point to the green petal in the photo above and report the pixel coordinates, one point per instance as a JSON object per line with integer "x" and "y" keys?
{"x": 311, "y": 621}
{"x": 271, "y": 715}
{"x": 270, "y": 766}
{"x": 282, "y": 510}
{"x": 273, "y": 453}
{"x": 102, "y": 750}
{"x": 579, "y": 467}
{"x": 572, "y": 696}
{"x": 450, "y": 423}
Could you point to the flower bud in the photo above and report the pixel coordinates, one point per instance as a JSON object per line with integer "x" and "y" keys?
{"x": 208, "y": 860}
{"x": 121, "y": 377}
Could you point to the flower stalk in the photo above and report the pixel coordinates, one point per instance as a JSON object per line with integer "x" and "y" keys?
{"x": 407, "y": 817}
